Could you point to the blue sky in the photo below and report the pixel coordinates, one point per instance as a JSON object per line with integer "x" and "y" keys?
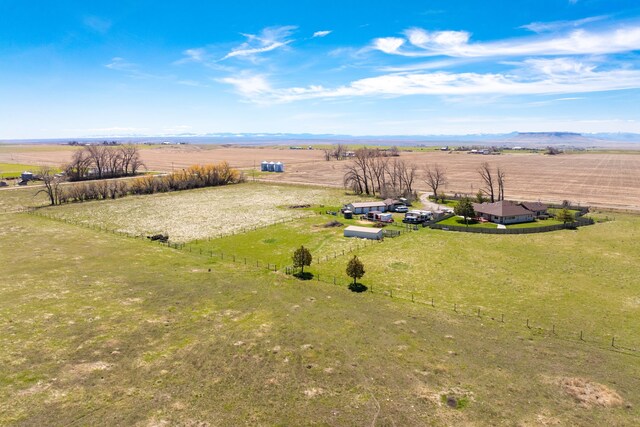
{"x": 98, "y": 68}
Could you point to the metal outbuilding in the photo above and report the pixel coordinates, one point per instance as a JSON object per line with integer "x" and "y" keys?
{"x": 363, "y": 232}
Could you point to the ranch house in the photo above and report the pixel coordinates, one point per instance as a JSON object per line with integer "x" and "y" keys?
{"x": 504, "y": 212}
{"x": 538, "y": 209}
{"x": 364, "y": 207}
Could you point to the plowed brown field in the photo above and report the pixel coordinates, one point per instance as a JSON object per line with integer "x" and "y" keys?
{"x": 598, "y": 179}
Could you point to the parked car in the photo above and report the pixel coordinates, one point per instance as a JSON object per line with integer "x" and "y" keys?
{"x": 402, "y": 209}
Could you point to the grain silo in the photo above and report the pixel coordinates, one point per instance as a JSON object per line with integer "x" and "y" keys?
{"x": 264, "y": 166}
{"x": 279, "y": 167}
{"x": 271, "y": 167}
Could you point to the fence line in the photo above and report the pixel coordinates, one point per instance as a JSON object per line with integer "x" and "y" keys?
{"x": 579, "y": 222}
{"x": 545, "y": 328}
{"x": 610, "y": 341}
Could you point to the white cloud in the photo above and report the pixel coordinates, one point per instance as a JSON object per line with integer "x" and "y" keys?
{"x": 269, "y": 39}
{"x": 538, "y": 77}
{"x": 456, "y": 44}
{"x": 321, "y": 33}
{"x": 388, "y": 44}
{"x": 542, "y": 27}
{"x": 249, "y": 86}
{"x": 97, "y": 24}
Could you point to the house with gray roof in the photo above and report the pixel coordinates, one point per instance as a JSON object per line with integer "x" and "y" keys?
{"x": 504, "y": 212}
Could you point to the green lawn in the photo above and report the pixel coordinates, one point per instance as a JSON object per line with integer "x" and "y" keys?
{"x": 536, "y": 223}
{"x": 13, "y": 170}
{"x": 459, "y": 221}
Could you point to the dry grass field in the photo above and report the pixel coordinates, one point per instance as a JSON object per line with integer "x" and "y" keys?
{"x": 103, "y": 329}
{"x": 608, "y": 180}
{"x": 197, "y": 214}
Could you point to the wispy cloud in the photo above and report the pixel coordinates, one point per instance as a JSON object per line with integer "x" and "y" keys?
{"x": 543, "y": 27}
{"x": 269, "y": 39}
{"x": 97, "y": 24}
{"x": 425, "y": 43}
{"x": 120, "y": 64}
{"x": 132, "y": 70}
{"x": 537, "y": 77}
{"x": 323, "y": 33}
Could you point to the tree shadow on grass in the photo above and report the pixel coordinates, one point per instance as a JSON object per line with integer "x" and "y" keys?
{"x": 357, "y": 287}
{"x": 303, "y": 276}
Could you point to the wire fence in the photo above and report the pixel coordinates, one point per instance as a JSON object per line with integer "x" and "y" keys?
{"x": 538, "y": 327}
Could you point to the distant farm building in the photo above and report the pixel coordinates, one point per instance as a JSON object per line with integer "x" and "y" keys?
{"x": 26, "y": 176}
{"x": 506, "y": 212}
{"x": 364, "y": 207}
{"x": 363, "y": 232}
{"x": 271, "y": 166}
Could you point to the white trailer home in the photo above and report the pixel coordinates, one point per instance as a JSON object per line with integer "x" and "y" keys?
{"x": 364, "y": 207}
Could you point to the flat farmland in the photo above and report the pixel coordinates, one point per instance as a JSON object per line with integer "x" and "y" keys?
{"x": 608, "y": 180}
{"x": 597, "y": 179}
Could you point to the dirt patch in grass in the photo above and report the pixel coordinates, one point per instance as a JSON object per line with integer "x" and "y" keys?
{"x": 81, "y": 370}
{"x": 589, "y": 394}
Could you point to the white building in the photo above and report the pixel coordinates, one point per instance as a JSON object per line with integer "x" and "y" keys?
{"x": 364, "y": 207}
{"x": 363, "y": 232}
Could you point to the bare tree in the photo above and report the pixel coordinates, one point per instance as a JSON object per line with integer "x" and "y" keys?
{"x": 500, "y": 176}
{"x": 435, "y": 178}
{"x": 488, "y": 180}
{"x": 340, "y": 151}
{"x": 408, "y": 172}
{"x": 104, "y": 162}
{"x": 79, "y": 166}
{"x": 99, "y": 158}
{"x": 130, "y": 156}
{"x": 52, "y": 184}
{"x": 373, "y": 173}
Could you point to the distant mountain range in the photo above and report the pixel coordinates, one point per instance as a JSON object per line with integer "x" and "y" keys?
{"x": 524, "y": 139}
